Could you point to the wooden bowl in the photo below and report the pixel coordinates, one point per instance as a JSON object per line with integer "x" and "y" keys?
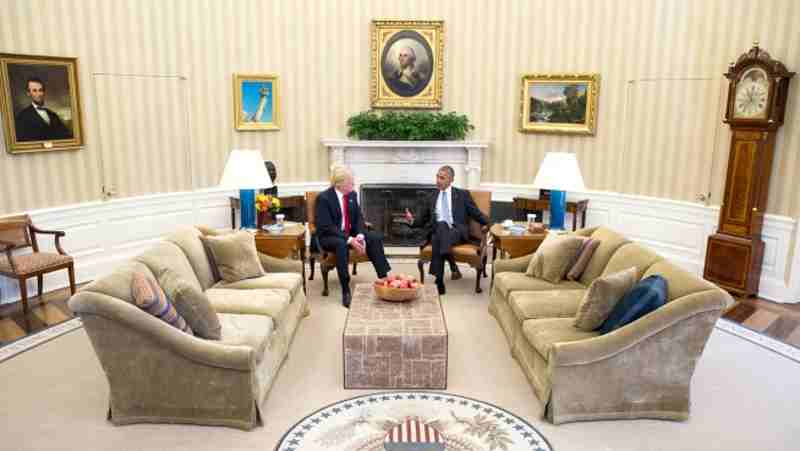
{"x": 397, "y": 294}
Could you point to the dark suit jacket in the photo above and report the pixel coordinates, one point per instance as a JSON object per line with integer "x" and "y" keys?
{"x": 328, "y": 215}
{"x": 31, "y": 127}
{"x": 463, "y": 207}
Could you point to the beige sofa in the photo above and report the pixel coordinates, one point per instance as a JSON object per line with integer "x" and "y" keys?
{"x": 642, "y": 370}
{"x": 157, "y": 373}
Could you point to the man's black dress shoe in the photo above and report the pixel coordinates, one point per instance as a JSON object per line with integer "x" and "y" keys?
{"x": 440, "y": 286}
{"x": 455, "y": 275}
{"x": 346, "y": 300}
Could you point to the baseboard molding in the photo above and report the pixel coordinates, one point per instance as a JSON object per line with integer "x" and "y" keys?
{"x": 679, "y": 231}
{"x": 101, "y": 235}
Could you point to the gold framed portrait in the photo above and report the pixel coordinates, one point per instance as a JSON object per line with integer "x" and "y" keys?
{"x": 407, "y": 63}
{"x": 559, "y": 103}
{"x": 40, "y": 102}
{"x": 256, "y": 104}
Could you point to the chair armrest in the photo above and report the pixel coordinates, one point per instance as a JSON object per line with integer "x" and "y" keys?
{"x": 206, "y": 352}
{"x": 58, "y": 234}
{"x": 519, "y": 264}
{"x": 273, "y": 264}
{"x": 595, "y": 349}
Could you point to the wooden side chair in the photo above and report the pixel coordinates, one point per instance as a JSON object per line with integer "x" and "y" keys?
{"x": 327, "y": 260}
{"x": 17, "y": 232}
{"x": 472, "y": 252}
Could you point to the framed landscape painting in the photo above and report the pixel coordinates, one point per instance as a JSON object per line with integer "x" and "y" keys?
{"x": 256, "y": 102}
{"x": 407, "y": 63}
{"x": 40, "y": 103}
{"x": 559, "y": 103}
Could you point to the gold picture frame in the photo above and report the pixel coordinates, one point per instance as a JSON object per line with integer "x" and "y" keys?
{"x": 256, "y": 103}
{"x": 40, "y": 103}
{"x": 407, "y": 63}
{"x": 559, "y": 103}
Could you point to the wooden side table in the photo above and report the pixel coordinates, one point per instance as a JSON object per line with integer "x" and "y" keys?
{"x": 290, "y": 243}
{"x": 523, "y": 205}
{"x": 513, "y": 246}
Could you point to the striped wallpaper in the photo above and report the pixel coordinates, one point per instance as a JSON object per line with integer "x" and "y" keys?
{"x": 156, "y": 85}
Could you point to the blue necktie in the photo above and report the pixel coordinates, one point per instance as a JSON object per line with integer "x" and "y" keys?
{"x": 446, "y": 217}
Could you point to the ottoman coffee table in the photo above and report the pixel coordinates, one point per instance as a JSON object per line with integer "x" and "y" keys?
{"x": 395, "y": 344}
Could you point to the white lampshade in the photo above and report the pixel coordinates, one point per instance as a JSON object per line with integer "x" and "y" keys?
{"x": 245, "y": 170}
{"x": 559, "y": 171}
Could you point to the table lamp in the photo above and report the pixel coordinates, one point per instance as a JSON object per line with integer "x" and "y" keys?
{"x": 559, "y": 173}
{"x": 245, "y": 171}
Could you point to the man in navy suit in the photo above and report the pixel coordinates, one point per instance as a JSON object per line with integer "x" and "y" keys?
{"x": 444, "y": 220}
{"x": 37, "y": 123}
{"x": 340, "y": 227}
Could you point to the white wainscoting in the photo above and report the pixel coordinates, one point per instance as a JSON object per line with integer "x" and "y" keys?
{"x": 101, "y": 235}
{"x": 679, "y": 231}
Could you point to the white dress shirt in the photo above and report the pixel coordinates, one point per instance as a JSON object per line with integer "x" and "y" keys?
{"x": 42, "y": 113}
{"x": 340, "y": 196}
{"x": 439, "y": 215}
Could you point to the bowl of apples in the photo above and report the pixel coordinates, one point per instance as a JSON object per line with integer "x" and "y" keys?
{"x": 398, "y": 288}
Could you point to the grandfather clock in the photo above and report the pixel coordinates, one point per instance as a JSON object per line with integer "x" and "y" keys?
{"x": 756, "y": 103}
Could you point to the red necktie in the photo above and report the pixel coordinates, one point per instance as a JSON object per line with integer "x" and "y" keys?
{"x": 346, "y": 213}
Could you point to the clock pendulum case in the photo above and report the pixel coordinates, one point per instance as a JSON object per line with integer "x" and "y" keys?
{"x": 758, "y": 87}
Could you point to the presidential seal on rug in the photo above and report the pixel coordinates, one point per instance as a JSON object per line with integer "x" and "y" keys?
{"x": 412, "y": 421}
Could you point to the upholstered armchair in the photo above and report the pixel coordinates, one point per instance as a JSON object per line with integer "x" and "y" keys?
{"x": 18, "y": 232}
{"x": 472, "y": 252}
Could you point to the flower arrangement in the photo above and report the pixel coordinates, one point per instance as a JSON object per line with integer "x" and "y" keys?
{"x": 267, "y": 202}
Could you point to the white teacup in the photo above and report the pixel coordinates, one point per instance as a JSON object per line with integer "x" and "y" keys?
{"x": 508, "y": 223}
{"x": 279, "y": 218}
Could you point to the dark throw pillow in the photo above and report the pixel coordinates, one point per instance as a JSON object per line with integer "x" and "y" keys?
{"x": 647, "y": 295}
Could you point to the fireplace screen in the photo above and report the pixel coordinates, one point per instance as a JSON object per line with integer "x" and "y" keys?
{"x": 384, "y": 206}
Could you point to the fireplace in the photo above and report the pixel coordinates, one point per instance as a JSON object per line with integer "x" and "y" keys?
{"x": 384, "y": 206}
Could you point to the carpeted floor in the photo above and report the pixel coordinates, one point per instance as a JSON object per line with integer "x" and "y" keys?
{"x": 745, "y": 397}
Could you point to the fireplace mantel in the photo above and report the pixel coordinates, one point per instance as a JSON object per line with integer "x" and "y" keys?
{"x": 408, "y": 161}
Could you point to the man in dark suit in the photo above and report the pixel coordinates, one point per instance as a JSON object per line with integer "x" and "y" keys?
{"x": 339, "y": 228}
{"x": 37, "y": 123}
{"x": 444, "y": 219}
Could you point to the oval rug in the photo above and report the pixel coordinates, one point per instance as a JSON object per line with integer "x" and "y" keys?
{"x": 412, "y": 421}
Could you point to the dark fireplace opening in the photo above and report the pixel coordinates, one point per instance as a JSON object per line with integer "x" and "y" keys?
{"x": 384, "y": 206}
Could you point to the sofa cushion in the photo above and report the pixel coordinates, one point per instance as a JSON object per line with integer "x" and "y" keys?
{"x": 285, "y": 280}
{"x": 610, "y": 241}
{"x": 554, "y": 256}
{"x": 545, "y": 304}
{"x": 193, "y": 305}
{"x": 265, "y": 301}
{"x": 149, "y": 296}
{"x": 188, "y": 239}
{"x": 680, "y": 281}
{"x": 168, "y": 256}
{"x": 543, "y": 333}
{"x": 649, "y": 294}
{"x": 632, "y": 254}
{"x": 247, "y": 330}
{"x": 582, "y": 258}
{"x": 507, "y": 282}
{"x": 602, "y": 296}
{"x": 235, "y": 255}
{"x": 117, "y": 284}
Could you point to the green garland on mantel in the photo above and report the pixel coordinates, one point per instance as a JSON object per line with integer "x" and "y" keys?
{"x": 408, "y": 126}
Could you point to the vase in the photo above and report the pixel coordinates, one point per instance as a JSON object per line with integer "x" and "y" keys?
{"x": 264, "y": 218}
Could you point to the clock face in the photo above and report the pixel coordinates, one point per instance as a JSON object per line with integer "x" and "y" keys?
{"x": 752, "y": 94}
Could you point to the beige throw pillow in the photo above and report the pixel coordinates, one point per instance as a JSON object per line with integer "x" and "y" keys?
{"x": 554, "y": 257}
{"x": 234, "y": 255}
{"x": 601, "y": 297}
{"x": 192, "y": 304}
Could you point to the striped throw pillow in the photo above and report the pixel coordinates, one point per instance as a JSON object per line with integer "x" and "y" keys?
{"x": 148, "y": 296}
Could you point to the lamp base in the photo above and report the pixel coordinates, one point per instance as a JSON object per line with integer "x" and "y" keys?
{"x": 558, "y": 207}
{"x": 247, "y": 205}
